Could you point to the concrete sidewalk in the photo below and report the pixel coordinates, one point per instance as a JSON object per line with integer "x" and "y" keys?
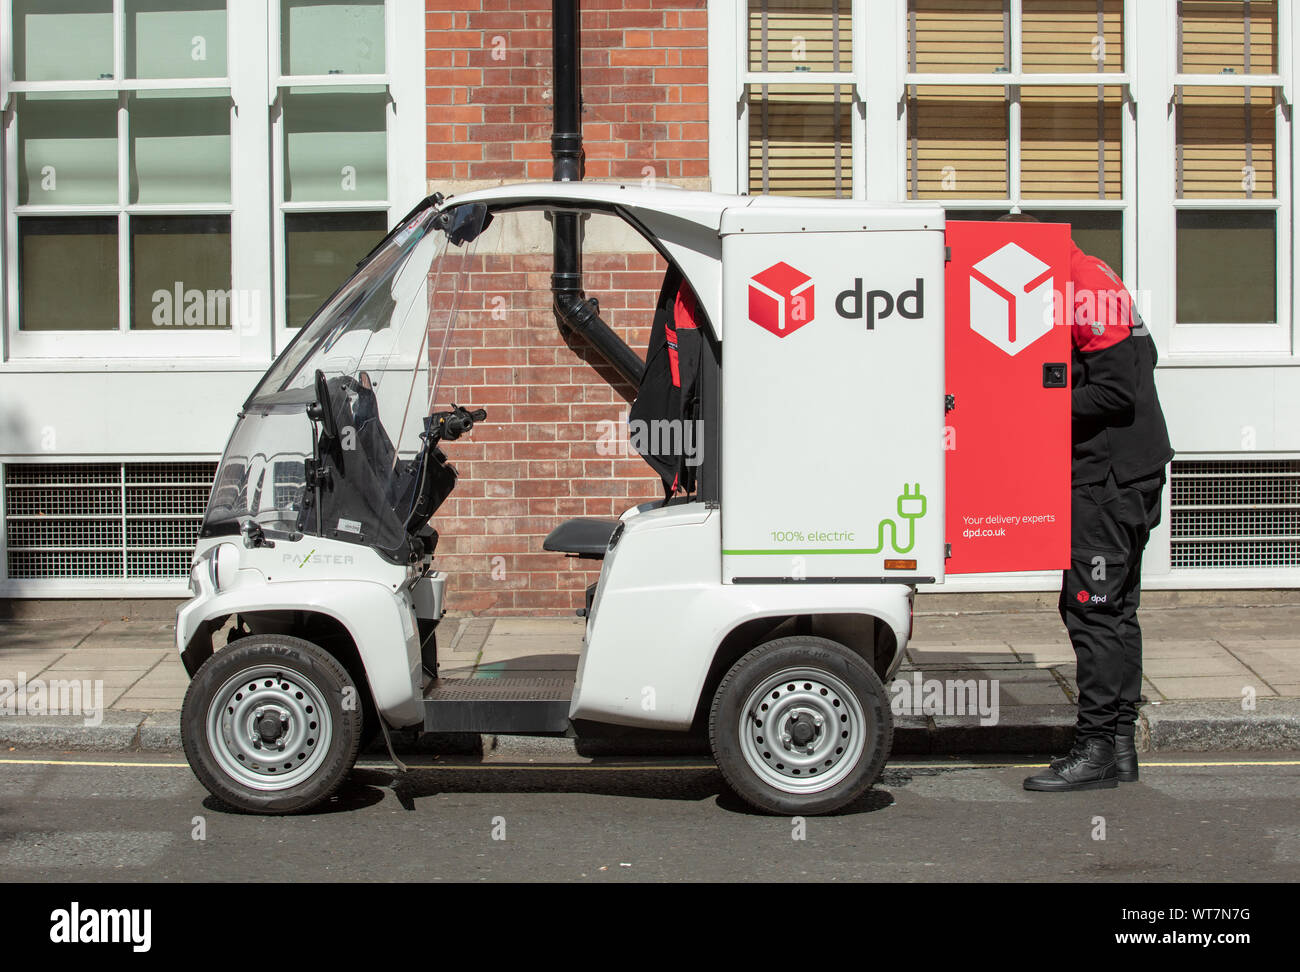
{"x": 1221, "y": 672}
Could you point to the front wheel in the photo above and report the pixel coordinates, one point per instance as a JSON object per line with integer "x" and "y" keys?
{"x": 271, "y": 725}
{"x": 800, "y": 726}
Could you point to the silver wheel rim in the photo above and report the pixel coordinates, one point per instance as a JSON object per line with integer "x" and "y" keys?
{"x": 802, "y": 730}
{"x": 269, "y": 728}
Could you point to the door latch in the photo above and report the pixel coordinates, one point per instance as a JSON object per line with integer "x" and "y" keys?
{"x": 1054, "y": 374}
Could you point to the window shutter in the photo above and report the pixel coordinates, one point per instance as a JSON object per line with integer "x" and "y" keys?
{"x": 1236, "y": 36}
{"x": 800, "y": 140}
{"x": 1072, "y": 36}
{"x": 800, "y": 35}
{"x": 958, "y": 36}
{"x": 957, "y": 142}
{"x": 1226, "y": 143}
{"x": 800, "y": 135}
{"x": 1070, "y": 143}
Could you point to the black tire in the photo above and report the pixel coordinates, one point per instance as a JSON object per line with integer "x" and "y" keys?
{"x": 294, "y": 683}
{"x": 836, "y": 686}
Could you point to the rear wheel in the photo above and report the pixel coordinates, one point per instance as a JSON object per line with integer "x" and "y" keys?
{"x": 800, "y": 726}
{"x": 271, "y": 725}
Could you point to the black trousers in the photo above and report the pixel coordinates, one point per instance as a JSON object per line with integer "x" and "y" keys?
{"x": 1100, "y": 592}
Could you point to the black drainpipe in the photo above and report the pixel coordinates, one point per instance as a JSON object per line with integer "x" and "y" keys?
{"x": 575, "y": 312}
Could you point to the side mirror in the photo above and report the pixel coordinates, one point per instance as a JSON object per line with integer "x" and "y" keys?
{"x": 322, "y": 410}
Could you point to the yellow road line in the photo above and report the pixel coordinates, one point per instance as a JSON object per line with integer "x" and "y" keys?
{"x": 643, "y": 767}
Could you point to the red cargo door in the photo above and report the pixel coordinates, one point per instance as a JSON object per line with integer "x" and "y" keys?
{"x": 1007, "y": 441}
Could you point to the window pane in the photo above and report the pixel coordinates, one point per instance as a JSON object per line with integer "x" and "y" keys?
{"x": 800, "y": 35}
{"x": 63, "y": 40}
{"x": 1072, "y": 36}
{"x": 1070, "y": 143}
{"x": 1099, "y": 234}
{"x": 180, "y": 148}
{"x": 67, "y": 271}
{"x": 1234, "y": 36}
{"x": 67, "y": 149}
{"x": 957, "y": 36}
{"x": 957, "y": 142}
{"x": 332, "y": 37}
{"x": 180, "y": 273}
{"x": 1226, "y": 141}
{"x": 800, "y": 140}
{"x": 321, "y": 251}
{"x": 175, "y": 39}
{"x": 335, "y": 145}
{"x": 1227, "y": 267}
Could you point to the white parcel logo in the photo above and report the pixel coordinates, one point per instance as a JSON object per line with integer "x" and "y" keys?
{"x": 1011, "y": 298}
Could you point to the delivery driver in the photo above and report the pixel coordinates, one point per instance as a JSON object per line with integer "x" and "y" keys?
{"x": 1120, "y": 448}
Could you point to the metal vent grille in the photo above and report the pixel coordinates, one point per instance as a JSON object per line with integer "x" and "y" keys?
{"x": 1235, "y": 513}
{"x": 104, "y": 521}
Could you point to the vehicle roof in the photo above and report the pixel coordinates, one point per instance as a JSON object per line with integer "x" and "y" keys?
{"x": 755, "y": 213}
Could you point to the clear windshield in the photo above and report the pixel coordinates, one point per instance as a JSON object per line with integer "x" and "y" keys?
{"x": 363, "y": 365}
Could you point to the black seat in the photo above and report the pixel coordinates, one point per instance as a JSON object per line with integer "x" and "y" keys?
{"x": 584, "y": 536}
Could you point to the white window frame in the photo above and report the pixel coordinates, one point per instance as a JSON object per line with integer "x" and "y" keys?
{"x": 880, "y": 81}
{"x": 1012, "y": 82}
{"x": 1215, "y": 343}
{"x": 256, "y": 255}
{"x": 124, "y": 342}
{"x": 854, "y": 79}
{"x": 406, "y": 170}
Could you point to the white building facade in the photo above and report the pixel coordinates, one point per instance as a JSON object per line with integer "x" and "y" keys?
{"x": 186, "y": 180}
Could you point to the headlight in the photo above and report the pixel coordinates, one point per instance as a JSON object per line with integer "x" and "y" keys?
{"x": 223, "y": 563}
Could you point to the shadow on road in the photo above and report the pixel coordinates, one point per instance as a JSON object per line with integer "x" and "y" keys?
{"x": 366, "y": 787}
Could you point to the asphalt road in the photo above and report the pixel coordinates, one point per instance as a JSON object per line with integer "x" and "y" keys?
{"x": 109, "y": 818}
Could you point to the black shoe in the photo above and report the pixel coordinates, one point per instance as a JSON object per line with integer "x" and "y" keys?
{"x": 1077, "y": 747}
{"x": 1126, "y": 759}
{"x": 1090, "y": 766}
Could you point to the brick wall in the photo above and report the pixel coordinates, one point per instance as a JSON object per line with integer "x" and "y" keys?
{"x": 544, "y": 455}
{"x": 644, "y": 88}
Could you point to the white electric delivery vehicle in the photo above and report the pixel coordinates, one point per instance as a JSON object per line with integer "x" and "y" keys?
{"x": 766, "y": 601}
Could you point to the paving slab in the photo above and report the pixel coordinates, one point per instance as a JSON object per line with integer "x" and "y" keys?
{"x": 944, "y": 655}
{"x": 44, "y": 635}
{"x": 499, "y": 647}
{"x": 1209, "y": 687}
{"x": 539, "y": 626}
{"x": 1022, "y": 674}
{"x": 1222, "y": 664}
{"x": 1202, "y": 648}
{"x": 112, "y": 659}
{"x": 1272, "y": 661}
{"x": 29, "y": 663}
{"x": 1049, "y": 653}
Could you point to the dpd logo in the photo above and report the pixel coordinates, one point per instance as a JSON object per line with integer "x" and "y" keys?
{"x": 1011, "y": 298}
{"x": 781, "y": 299}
